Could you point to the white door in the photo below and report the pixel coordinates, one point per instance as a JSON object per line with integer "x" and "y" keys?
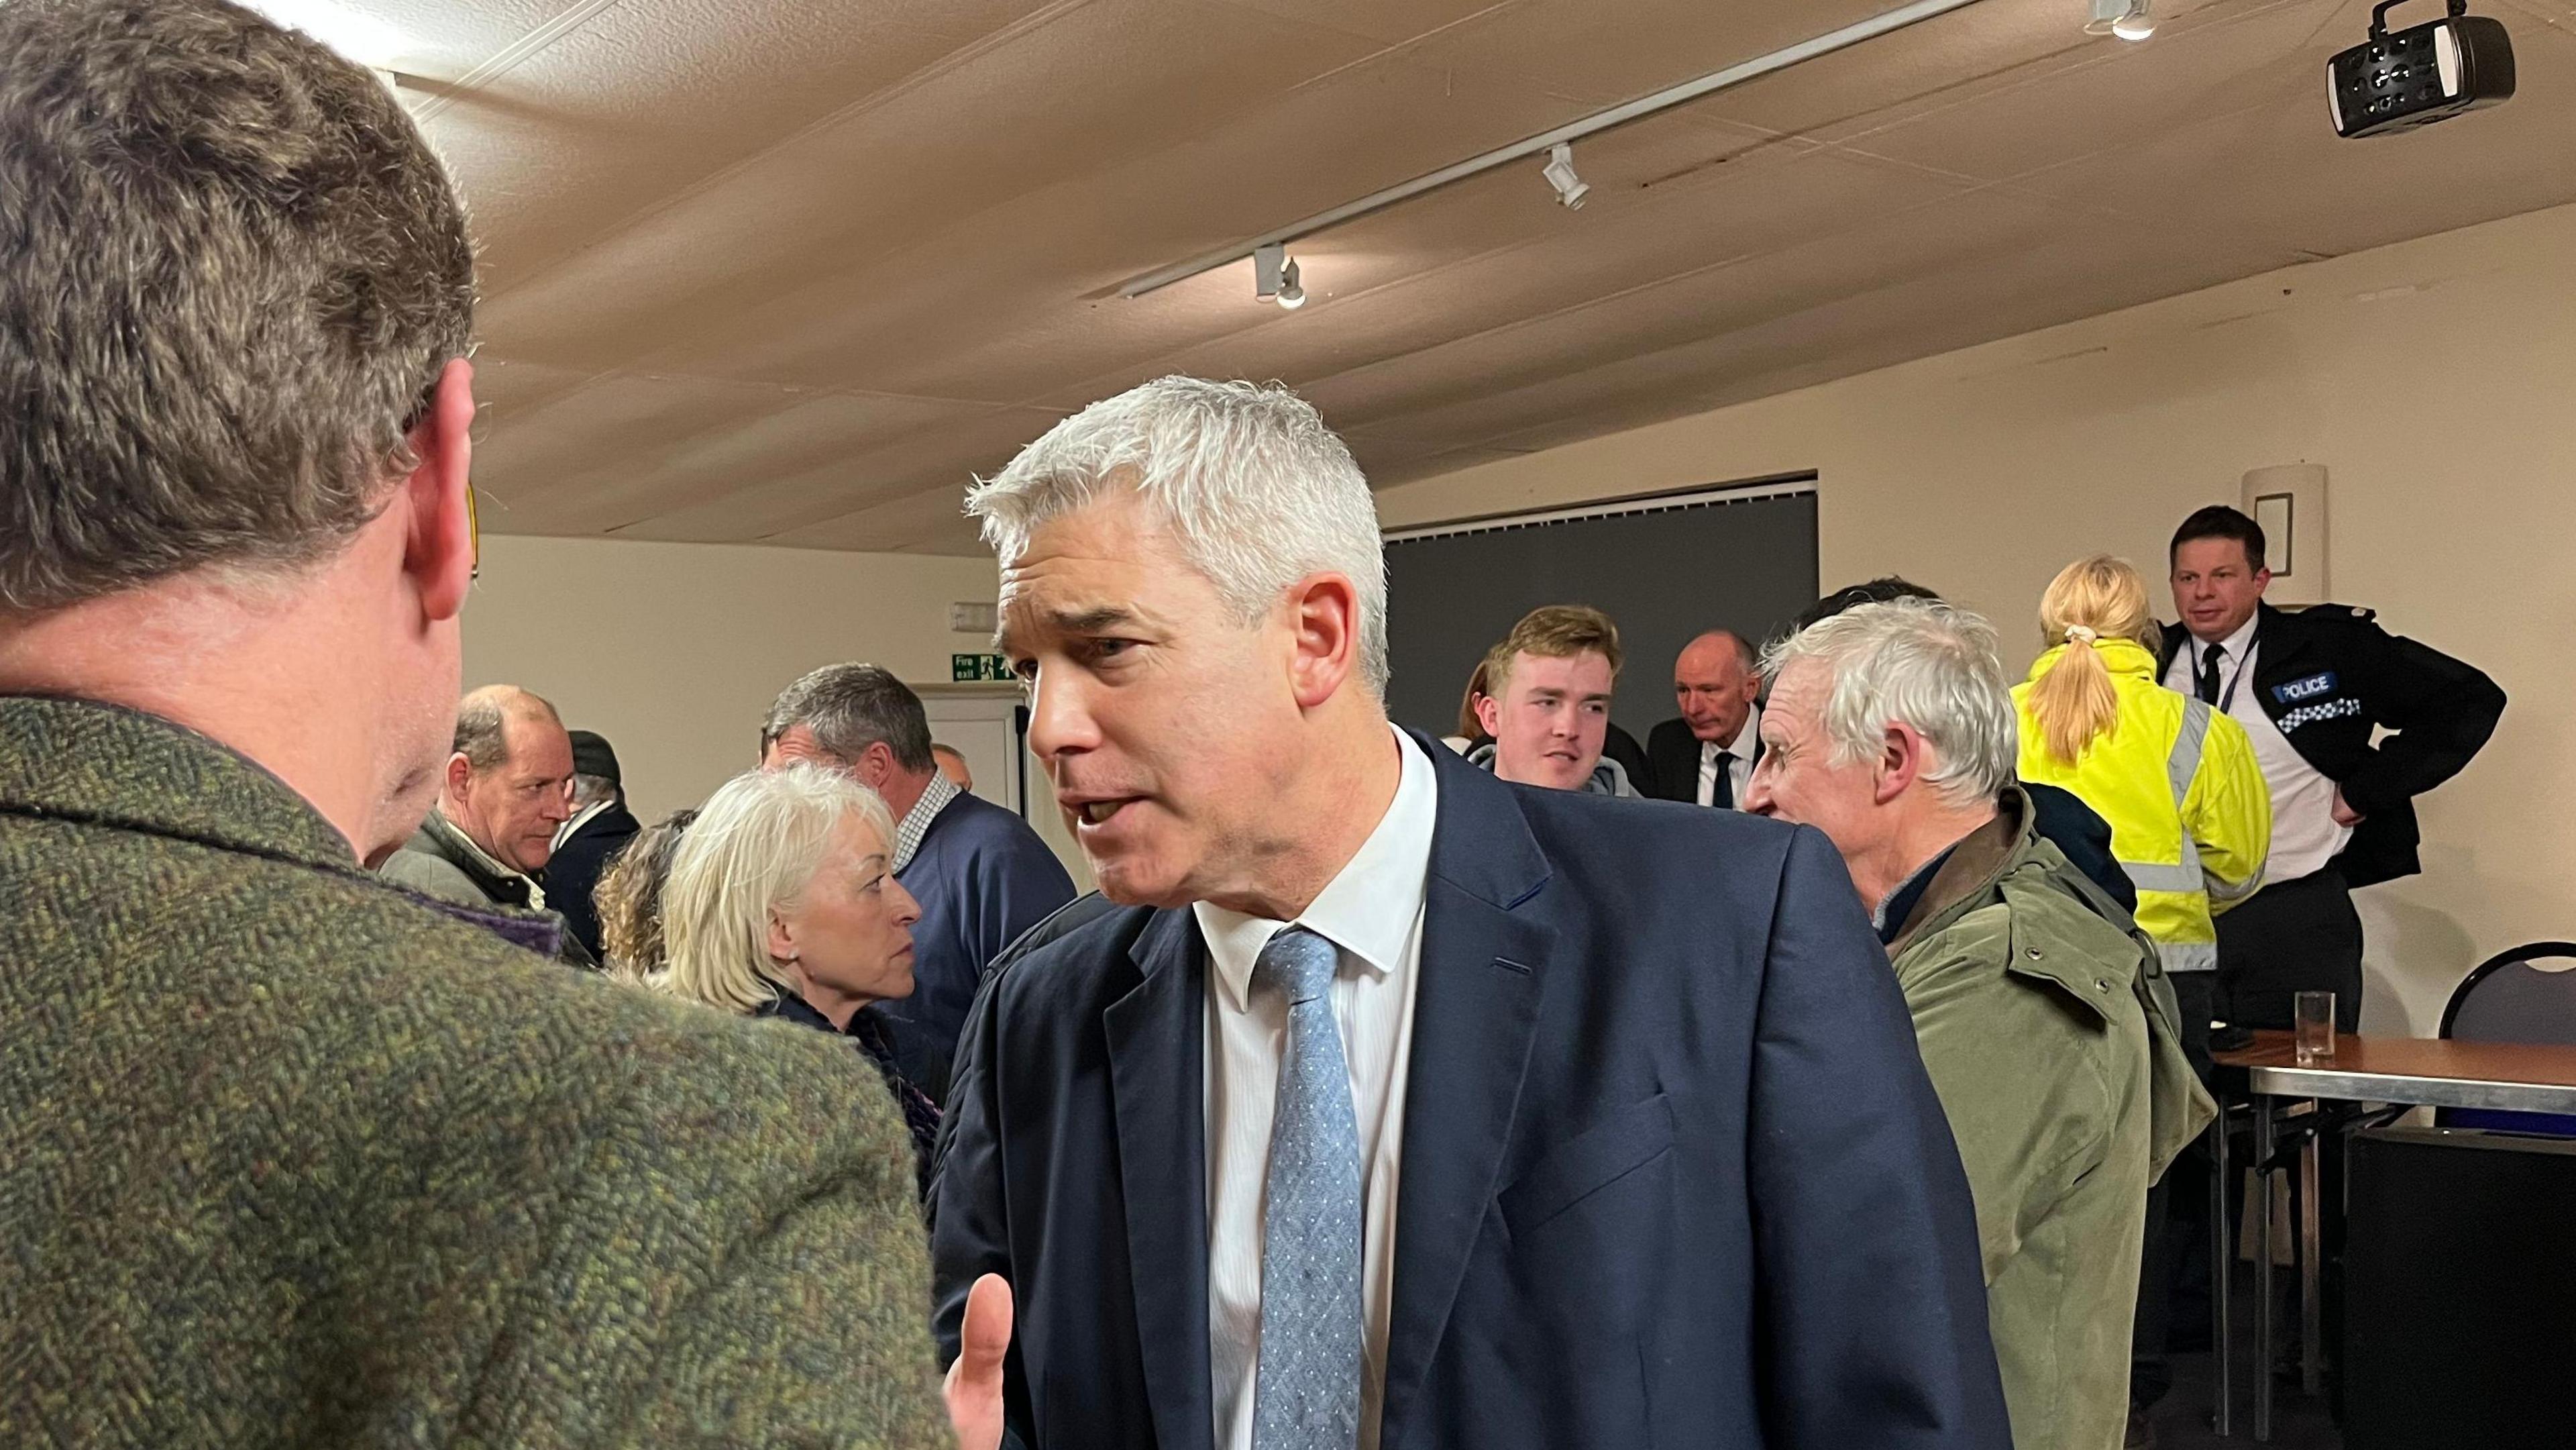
{"x": 982, "y": 723}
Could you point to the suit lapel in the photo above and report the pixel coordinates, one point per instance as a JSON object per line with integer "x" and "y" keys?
{"x": 1156, "y": 1037}
{"x": 1474, "y": 1018}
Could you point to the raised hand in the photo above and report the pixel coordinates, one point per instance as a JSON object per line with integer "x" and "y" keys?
{"x": 975, "y": 1380}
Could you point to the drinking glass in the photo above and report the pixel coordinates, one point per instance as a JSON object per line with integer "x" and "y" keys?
{"x": 2316, "y": 1021}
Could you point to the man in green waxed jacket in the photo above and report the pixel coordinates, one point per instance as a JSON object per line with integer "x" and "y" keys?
{"x": 2042, "y": 1015}
{"x": 289, "y": 1156}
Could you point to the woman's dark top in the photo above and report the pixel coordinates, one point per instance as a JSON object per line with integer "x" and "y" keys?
{"x": 920, "y": 1114}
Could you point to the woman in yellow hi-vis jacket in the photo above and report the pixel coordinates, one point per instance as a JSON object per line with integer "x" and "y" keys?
{"x": 2191, "y": 822}
{"x": 2190, "y": 818}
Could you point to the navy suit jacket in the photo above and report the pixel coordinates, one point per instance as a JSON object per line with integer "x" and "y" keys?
{"x": 572, "y": 873}
{"x": 983, "y": 877}
{"x": 1672, "y": 1173}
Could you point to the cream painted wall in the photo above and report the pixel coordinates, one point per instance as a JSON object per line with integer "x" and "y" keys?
{"x": 673, "y": 651}
{"x": 2435, "y": 380}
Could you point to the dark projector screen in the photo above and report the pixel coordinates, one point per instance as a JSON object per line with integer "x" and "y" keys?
{"x": 1662, "y": 573}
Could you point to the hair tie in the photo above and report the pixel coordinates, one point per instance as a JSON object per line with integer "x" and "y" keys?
{"x": 2080, "y": 634}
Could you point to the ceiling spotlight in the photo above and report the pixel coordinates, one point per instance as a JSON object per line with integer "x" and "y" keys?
{"x": 1570, "y": 188}
{"x": 2127, "y": 19}
{"x": 1292, "y": 294}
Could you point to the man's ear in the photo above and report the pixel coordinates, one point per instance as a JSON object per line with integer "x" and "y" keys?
{"x": 440, "y": 544}
{"x": 1900, "y": 761}
{"x": 1489, "y": 714}
{"x": 460, "y": 773}
{"x": 782, "y": 938}
{"x": 876, "y": 765}
{"x": 1324, "y": 618}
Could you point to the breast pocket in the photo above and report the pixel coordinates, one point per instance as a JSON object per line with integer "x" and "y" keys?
{"x": 1593, "y": 1160}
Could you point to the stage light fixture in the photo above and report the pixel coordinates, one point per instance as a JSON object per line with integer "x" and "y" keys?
{"x": 1292, "y": 293}
{"x": 1559, "y": 171}
{"x": 2419, "y": 75}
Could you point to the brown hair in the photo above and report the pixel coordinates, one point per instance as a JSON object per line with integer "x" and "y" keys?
{"x": 1554, "y": 632}
{"x": 232, "y": 275}
{"x": 1469, "y": 727}
{"x": 629, "y": 898}
{"x": 2096, "y": 598}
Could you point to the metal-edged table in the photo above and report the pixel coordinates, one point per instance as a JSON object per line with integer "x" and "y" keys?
{"x": 2274, "y": 1087}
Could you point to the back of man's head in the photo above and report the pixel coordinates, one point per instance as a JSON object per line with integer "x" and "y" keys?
{"x": 235, "y": 298}
{"x": 233, "y": 274}
{"x": 1881, "y": 590}
{"x": 838, "y": 712}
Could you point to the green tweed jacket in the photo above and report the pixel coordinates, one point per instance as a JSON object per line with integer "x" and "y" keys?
{"x": 290, "y": 1158}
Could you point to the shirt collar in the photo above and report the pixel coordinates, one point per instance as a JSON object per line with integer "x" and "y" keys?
{"x": 1741, "y": 747}
{"x": 580, "y": 819}
{"x": 916, "y": 822}
{"x": 2235, "y": 644}
{"x": 1368, "y": 909}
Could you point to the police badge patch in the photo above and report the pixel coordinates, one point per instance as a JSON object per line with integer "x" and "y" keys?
{"x": 2306, "y": 687}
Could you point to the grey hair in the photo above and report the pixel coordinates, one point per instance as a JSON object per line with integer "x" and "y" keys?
{"x": 483, "y": 718}
{"x": 1933, "y": 666}
{"x": 590, "y": 790}
{"x": 755, "y": 845}
{"x": 849, "y": 708}
{"x": 1257, "y": 490}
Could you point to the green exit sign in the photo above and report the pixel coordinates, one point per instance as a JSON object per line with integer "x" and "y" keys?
{"x": 979, "y": 667}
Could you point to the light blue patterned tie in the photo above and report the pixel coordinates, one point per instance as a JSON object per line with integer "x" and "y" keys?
{"x": 1306, "y": 1395}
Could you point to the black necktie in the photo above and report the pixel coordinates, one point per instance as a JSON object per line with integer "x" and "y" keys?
{"x": 2209, "y": 661}
{"x": 1721, "y": 792}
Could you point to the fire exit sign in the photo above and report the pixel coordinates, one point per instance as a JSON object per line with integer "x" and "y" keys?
{"x": 979, "y": 667}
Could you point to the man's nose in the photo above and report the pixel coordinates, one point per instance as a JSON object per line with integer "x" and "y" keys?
{"x": 1060, "y": 717}
{"x": 1757, "y": 793}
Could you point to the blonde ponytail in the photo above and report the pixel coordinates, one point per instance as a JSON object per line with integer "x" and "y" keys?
{"x": 2074, "y": 702}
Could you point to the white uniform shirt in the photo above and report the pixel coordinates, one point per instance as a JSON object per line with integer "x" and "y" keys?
{"x": 2304, "y": 834}
{"x": 1739, "y": 771}
{"x": 1372, "y": 911}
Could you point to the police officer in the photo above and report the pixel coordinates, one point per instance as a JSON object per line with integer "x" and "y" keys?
{"x": 2311, "y": 688}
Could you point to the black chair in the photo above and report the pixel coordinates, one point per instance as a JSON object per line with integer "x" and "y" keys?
{"x": 2507, "y": 999}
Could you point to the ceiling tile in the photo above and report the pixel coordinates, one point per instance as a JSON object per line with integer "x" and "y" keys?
{"x": 794, "y": 273}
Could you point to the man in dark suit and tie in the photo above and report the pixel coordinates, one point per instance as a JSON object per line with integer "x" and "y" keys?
{"x": 1706, "y": 756}
{"x": 598, "y": 831}
{"x": 1382, "y": 1104}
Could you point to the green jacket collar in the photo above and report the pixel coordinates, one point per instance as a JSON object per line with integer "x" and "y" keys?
{"x": 2006, "y": 858}
{"x": 86, "y": 761}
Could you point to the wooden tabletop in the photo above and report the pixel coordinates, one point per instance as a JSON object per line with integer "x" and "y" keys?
{"x": 2415, "y": 1070}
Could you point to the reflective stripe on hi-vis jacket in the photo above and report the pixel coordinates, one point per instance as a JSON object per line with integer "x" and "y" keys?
{"x": 2178, "y": 784}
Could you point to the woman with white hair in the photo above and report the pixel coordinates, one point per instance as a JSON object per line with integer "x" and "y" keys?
{"x": 782, "y": 902}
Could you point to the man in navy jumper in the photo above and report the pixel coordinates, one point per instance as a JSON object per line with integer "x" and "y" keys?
{"x": 981, "y": 875}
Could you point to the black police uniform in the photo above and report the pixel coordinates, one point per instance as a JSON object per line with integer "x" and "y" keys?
{"x": 2329, "y": 677}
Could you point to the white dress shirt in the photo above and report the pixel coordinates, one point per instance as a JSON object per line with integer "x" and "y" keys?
{"x": 1372, "y": 911}
{"x": 2304, "y": 834}
{"x": 1739, "y": 771}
